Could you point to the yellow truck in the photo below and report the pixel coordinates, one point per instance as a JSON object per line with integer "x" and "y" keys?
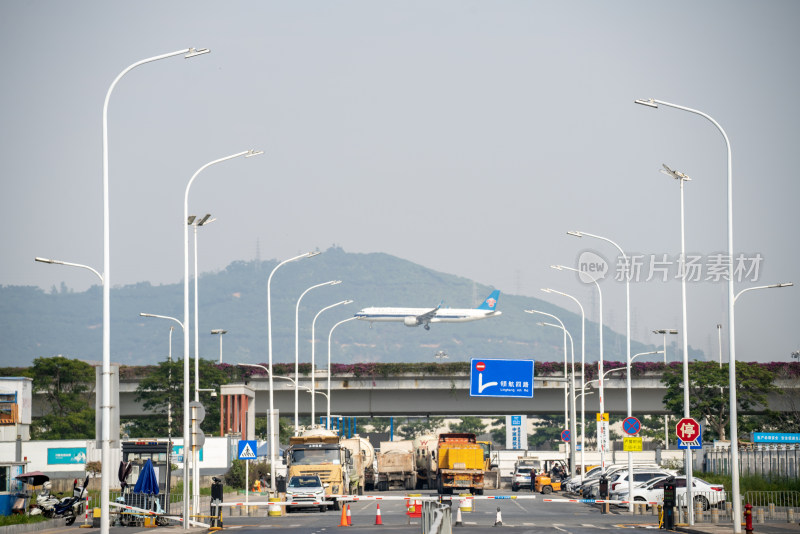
{"x": 460, "y": 464}
{"x": 318, "y": 452}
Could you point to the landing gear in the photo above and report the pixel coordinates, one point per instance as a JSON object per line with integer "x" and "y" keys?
{"x": 427, "y": 326}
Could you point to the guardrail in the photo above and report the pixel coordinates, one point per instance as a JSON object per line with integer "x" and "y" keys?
{"x": 436, "y": 518}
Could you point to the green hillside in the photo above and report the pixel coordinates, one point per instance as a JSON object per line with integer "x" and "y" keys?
{"x": 42, "y": 324}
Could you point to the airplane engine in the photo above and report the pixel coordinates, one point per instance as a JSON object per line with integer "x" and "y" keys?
{"x": 410, "y": 321}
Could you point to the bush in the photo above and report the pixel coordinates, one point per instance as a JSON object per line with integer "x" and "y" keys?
{"x": 235, "y": 475}
{"x": 19, "y": 519}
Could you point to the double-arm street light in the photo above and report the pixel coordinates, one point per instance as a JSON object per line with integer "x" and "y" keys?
{"x": 600, "y": 443}
{"x": 735, "y": 490}
{"x": 297, "y": 346}
{"x": 105, "y": 458}
{"x": 313, "y": 343}
{"x": 186, "y": 415}
{"x": 664, "y": 332}
{"x": 569, "y": 418}
{"x": 330, "y": 335}
{"x": 269, "y": 372}
{"x": 583, "y": 363}
{"x": 627, "y": 326}
{"x": 219, "y": 332}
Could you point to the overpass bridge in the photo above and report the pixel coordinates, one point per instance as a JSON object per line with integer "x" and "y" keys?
{"x": 446, "y": 395}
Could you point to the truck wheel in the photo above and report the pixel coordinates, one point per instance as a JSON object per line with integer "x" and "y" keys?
{"x": 547, "y": 490}
{"x": 479, "y": 491}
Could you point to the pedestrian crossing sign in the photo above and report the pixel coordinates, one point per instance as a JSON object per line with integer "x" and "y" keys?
{"x": 247, "y": 449}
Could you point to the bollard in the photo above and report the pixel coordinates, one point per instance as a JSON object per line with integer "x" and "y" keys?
{"x": 274, "y": 510}
{"x": 760, "y": 516}
{"x": 714, "y": 515}
{"x": 790, "y": 515}
{"x": 465, "y": 503}
{"x": 772, "y": 510}
{"x": 698, "y": 511}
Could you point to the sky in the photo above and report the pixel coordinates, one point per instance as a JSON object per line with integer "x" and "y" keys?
{"x": 466, "y": 136}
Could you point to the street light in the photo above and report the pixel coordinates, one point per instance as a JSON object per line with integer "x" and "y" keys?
{"x": 219, "y": 332}
{"x": 783, "y": 284}
{"x": 297, "y": 347}
{"x": 600, "y": 443}
{"x": 569, "y": 422}
{"x": 627, "y": 332}
{"x": 105, "y": 457}
{"x": 735, "y": 491}
{"x": 186, "y": 421}
{"x": 572, "y": 423}
{"x": 583, "y": 364}
{"x": 269, "y": 415}
{"x": 664, "y": 332}
{"x": 330, "y": 335}
{"x": 313, "y": 342}
{"x": 269, "y": 345}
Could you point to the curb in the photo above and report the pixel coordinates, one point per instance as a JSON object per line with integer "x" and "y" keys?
{"x": 33, "y": 527}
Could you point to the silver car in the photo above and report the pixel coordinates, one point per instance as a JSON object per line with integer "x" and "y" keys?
{"x": 306, "y": 491}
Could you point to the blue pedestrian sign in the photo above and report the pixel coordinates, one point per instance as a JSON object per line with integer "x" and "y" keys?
{"x": 247, "y": 449}
{"x": 631, "y": 426}
{"x": 501, "y": 378}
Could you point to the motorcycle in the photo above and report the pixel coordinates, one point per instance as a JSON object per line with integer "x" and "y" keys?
{"x": 70, "y": 508}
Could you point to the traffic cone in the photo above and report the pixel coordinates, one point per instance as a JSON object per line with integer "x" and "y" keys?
{"x": 349, "y": 520}
{"x": 498, "y": 522}
{"x": 343, "y": 522}
{"x": 459, "y": 522}
{"x": 378, "y": 520}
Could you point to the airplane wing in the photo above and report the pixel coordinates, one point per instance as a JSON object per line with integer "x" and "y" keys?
{"x": 426, "y": 317}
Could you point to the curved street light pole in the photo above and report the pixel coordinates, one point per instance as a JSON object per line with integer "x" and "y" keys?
{"x": 297, "y": 349}
{"x": 600, "y": 442}
{"x": 105, "y": 458}
{"x": 313, "y": 342}
{"x": 330, "y": 335}
{"x": 269, "y": 347}
{"x": 666, "y": 417}
{"x": 583, "y": 367}
{"x": 187, "y": 423}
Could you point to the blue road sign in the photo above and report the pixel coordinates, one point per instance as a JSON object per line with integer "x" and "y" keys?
{"x": 631, "y": 426}
{"x": 247, "y": 449}
{"x": 501, "y": 378}
{"x": 696, "y": 444}
{"x": 774, "y": 437}
{"x": 565, "y": 435}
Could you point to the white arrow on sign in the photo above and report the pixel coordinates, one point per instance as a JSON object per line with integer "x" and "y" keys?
{"x": 481, "y": 385}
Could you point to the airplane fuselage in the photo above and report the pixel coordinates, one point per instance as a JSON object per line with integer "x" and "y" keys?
{"x": 409, "y": 315}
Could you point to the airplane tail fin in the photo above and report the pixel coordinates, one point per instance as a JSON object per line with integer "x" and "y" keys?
{"x": 491, "y": 301}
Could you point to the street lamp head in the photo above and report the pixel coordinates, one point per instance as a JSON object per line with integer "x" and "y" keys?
{"x": 44, "y": 260}
{"x": 675, "y": 174}
{"x": 547, "y": 290}
{"x": 649, "y": 102}
{"x": 146, "y": 314}
{"x": 253, "y": 152}
{"x": 785, "y": 284}
{"x": 665, "y": 331}
{"x": 335, "y": 282}
{"x": 346, "y": 302}
{"x": 196, "y": 52}
{"x": 205, "y": 220}
{"x": 576, "y": 234}
{"x": 557, "y": 267}
{"x": 312, "y": 254}
{"x": 219, "y": 331}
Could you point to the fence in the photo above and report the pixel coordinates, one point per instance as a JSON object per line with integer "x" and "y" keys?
{"x": 173, "y": 507}
{"x": 436, "y": 518}
{"x": 768, "y": 459}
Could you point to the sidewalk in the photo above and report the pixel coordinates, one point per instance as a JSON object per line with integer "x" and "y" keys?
{"x": 758, "y": 528}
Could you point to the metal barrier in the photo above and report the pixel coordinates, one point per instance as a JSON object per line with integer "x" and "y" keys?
{"x": 760, "y": 459}
{"x": 436, "y": 518}
{"x": 776, "y": 505}
{"x": 137, "y": 500}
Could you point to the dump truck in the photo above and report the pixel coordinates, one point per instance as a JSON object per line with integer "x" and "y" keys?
{"x": 396, "y": 466}
{"x": 362, "y": 456}
{"x": 460, "y": 463}
{"x": 319, "y": 452}
{"x": 425, "y": 460}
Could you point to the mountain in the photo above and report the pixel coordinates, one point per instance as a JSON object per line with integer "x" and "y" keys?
{"x": 40, "y": 324}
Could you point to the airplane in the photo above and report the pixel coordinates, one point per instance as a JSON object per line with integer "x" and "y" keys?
{"x": 426, "y": 316}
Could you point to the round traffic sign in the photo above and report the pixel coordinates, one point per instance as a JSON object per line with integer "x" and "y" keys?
{"x": 631, "y": 426}
{"x": 480, "y": 366}
{"x": 565, "y": 435}
{"x": 687, "y": 429}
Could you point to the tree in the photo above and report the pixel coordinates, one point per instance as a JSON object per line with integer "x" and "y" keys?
{"x": 469, "y": 424}
{"x": 379, "y": 424}
{"x": 164, "y": 387}
{"x": 709, "y": 398}
{"x": 499, "y": 431}
{"x": 420, "y": 426}
{"x": 68, "y": 411}
{"x": 546, "y": 432}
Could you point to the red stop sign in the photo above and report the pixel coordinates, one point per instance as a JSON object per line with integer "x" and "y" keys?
{"x": 687, "y": 429}
{"x": 480, "y": 366}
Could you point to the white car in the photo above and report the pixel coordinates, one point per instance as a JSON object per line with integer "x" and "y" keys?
{"x": 703, "y": 492}
{"x": 303, "y": 490}
{"x": 619, "y": 483}
{"x": 521, "y": 478}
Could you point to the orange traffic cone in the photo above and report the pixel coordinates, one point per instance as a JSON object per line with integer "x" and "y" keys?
{"x": 349, "y": 519}
{"x": 343, "y": 522}
{"x": 378, "y": 520}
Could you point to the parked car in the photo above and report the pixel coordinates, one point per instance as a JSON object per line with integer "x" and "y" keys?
{"x": 305, "y": 489}
{"x": 703, "y": 492}
{"x": 619, "y": 483}
{"x": 521, "y": 478}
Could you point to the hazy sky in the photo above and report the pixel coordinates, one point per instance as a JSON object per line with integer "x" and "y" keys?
{"x": 466, "y": 136}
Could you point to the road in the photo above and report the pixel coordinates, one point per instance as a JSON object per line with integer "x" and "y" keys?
{"x": 517, "y": 515}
